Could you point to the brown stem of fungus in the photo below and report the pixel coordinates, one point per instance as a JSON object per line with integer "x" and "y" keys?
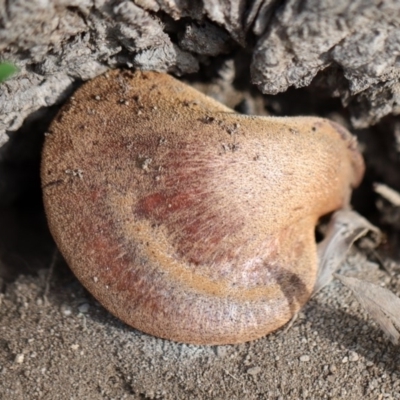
{"x": 184, "y": 219}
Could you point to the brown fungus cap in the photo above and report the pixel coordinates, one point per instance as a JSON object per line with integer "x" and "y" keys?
{"x": 184, "y": 219}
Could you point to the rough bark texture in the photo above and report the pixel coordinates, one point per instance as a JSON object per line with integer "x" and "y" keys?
{"x": 56, "y": 43}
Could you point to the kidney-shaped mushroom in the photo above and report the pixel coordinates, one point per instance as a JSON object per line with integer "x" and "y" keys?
{"x": 187, "y": 220}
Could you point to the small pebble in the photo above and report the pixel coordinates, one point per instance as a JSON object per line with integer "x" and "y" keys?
{"x": 75, "y": 346}
{"x": 305, "y": 358}
{"x": 84, "y": 308}
{"x": 353, "y": 356}
{"x": 221, "y": 351}
{"x": 254, "y": 371}
{"x": 66, "y": 310}
{"x": 331, "y": 378}
{"x": 345, "y": 360}
{"x": 19, "y": 358}
{"x": 369, "y": 364}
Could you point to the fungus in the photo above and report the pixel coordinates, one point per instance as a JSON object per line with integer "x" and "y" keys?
{"x": 187, "y": 220}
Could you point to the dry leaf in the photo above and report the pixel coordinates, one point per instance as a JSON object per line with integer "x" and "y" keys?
{"x": 345, "y": 228}
{"x": 382, "y": 305}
